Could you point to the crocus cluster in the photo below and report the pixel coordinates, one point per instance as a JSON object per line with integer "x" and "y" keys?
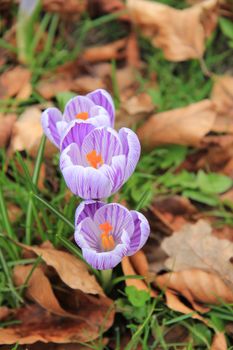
{"x": 96, "y": 161}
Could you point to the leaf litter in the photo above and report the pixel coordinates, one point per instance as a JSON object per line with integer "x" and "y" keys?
{"x": 187, "y": 260}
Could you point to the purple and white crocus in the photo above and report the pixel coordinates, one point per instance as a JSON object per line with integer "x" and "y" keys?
{"x": 108, "y": 232}
{"x": 96, "y": 108}
{"x": 96, "y": 162}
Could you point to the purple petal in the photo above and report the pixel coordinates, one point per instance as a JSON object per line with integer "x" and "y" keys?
{"x": 87, "y": 234}
{"x": 131, "y": 148}
{"x": 75, "y": 132}
{"x": 99, "y": 116}
{"x": 87, "y": 183}
{"x": 102, "y": 98}
{"x": 118, "y": 217}
{"x": 141, "y": 232}
{"x": 76, "y": 105}
{"x": 105, "y": 260}
{"x": 115, "y": 172}
{"x": 104, "y": 141}
{"x": 87, "y": 209}
{"x": 50, "y": 119}
{"x": 70, "y": 156}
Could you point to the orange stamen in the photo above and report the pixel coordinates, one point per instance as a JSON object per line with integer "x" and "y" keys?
{"x": 82, "y": 115}
{"x": 94, "y": 159}
{"x": 107, "y": 240}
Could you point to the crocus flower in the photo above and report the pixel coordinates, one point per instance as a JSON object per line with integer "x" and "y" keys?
{"x": 96, "y": 108}
{"x": 95, "y": 162}
{"x": 108, "y": 232}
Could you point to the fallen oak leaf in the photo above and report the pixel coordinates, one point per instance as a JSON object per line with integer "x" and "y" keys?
{"x": 200, "y": 250}
{"x": 182, "y": 126}
{"x": 180, "y": 34}
{"x": 39, "y": 289}
{"x": 72, "y": 271}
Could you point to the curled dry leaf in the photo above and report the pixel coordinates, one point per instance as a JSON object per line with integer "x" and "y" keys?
{"x": 6, "y": 127}
{"x": 38, "y": 325}
{"x": 39, "y": 289}
{"x": 180, "y": 34}
{"x": 27, "y": 133}
{"x": 15, "y": 82}
{"x": 197, "y": 286}
{"x": 114, "y": 50}
{"x": 201, "y": 250}
{"x": 222, "y": 96}
{"x": 72, "y": 271}
{"x": 136, "y": 265}
{"x": 174, "y": 303}
{"x": 219, "y": 342}
{"x": 182, "y": 126}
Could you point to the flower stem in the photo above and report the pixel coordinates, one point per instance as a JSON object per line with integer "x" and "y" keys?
{"x": 106, "y": 278}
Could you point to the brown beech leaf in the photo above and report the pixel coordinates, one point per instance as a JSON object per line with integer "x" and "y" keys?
{"x": 39, "y": 289}
{"x": 38, "y": 325}
{"x": 180, "y": 34}
{"x": 27, "y": 133}
{"x": 6, "y": 127}
{"x": 136, "y": 265}
{"x": 183, "y": 126}
{"x": 219, "y": 342}
{"x": 15, "y": 82}
{"x": 4, "y": 312}
{"x": 174, "y": 303}
{"x": 113, "y": 50}
{"x": 133, "y": 110}
{"x": 49, "y": 87}
{"x": 72, "y": 271}
{"x": 222, "y": 96}
{"x": 197, "y": 286}
{"x": 201, "y": 250}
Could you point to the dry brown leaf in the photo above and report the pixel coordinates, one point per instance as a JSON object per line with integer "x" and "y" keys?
{"x": 219, "y": 342}
{"x": 6, "y": 126}
{"x": 87, "y": 83}
{"x": 133, "y": 110}
{"x": 174, "y": 303}
{"x": 68, "y": 7}
{"x": 27, "y": 133}
{"x": 72, "y": 271}
{"x": 15, "y": 82}
{"x": 14, "y": 212}
{"x": 39, "y": 289}
{"x": 129, "y": 265}
{"x": 113, "y": 50}
{"x": 4, "y": 312}
{"x": 201, "y": 250}
{"x": 180, "y": 34}
{"x": 132, "y": 51}
{"x": 222, "y": 96}
{"x": 197, "y": 286}
{"x": 49, "y": 87}
{"x": 38, "y": 325}
{"x": 182, "y": 126}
